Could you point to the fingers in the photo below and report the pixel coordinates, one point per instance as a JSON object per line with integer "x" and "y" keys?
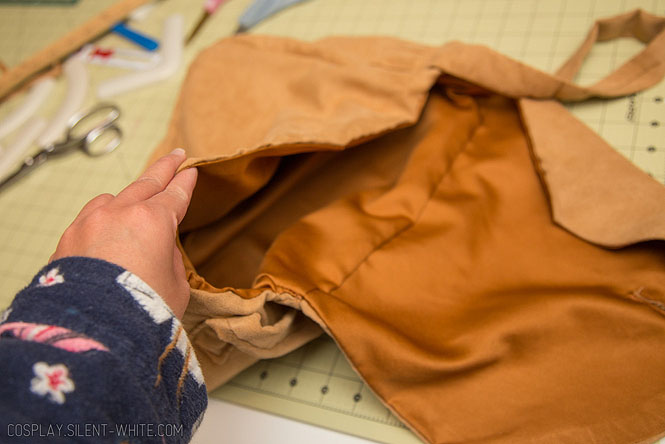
{"x": 177, "y": 195}
{"x": 154, "y": 179}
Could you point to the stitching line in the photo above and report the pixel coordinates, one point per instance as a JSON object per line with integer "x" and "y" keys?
{"x": 422, "y": 208}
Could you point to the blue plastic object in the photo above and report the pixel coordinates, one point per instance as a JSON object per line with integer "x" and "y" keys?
{"x": 136, "y": 37}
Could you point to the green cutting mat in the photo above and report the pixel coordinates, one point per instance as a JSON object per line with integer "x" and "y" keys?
{"x": 314, "y": 384}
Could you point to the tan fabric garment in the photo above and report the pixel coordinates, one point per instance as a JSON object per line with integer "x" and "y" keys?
{"x": 492, "y": 268}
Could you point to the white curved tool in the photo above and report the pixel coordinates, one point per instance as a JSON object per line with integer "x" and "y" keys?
{"x": 33, "y": 100}
{"x": 126, "y": 58}
{"x": 18, "y": 150}
{"x": 142, "y": 12}
{"x": 77, "y": 87}
{"x": 171, "y": 52}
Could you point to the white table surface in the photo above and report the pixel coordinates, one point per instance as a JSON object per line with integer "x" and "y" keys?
{"x": 228, "y": 423}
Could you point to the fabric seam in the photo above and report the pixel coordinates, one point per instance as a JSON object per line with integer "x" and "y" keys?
{"x": 411, "y": 224}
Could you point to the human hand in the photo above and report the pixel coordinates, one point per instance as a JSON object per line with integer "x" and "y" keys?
{"x": 136, "y": 229}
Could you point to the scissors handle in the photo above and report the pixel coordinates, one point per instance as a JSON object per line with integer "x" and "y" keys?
{"x": 79, "y": 118}
{"x": 108, "y": 147}
{"x": 90, "y": 129}
{"x": 85, "y": 141}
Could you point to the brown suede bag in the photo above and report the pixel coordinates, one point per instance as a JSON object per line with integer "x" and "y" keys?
{"x": 492, "y": 269}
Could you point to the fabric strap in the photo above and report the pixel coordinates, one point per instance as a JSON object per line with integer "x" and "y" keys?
{"x": 641, "y": 71}
{"x": 480, "y": 65}
{"x": 576, "y": 179}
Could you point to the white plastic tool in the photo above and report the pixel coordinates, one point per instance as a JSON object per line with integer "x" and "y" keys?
{"x": 16, "y": 151}
{"x": 142, "y": 12}
{"x": 32, "y": 102}
{"x": 171, "y": 55}
{"x": 77, "y": 87}
{"x": 126, "y": 58}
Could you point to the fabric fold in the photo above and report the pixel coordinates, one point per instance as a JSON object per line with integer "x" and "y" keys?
{"x": 469, "y": 244}
{"x": 594, "y": 191}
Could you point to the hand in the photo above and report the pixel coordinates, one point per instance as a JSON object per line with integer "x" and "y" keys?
{"x": 136, "y": 229}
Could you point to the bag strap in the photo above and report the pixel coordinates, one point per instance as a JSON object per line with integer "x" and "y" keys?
{"x": 641, "y": 71}
{"x": 496, "y": 72}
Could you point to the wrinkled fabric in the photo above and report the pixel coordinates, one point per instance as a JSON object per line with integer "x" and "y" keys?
{"x": 477, "y": 253}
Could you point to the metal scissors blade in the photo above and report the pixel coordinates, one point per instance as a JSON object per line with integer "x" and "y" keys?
{"x": 28, "y": 165}
{"x": 92, "y": 130}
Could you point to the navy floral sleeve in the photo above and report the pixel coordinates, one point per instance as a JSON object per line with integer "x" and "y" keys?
{"x": 90, "y": 353}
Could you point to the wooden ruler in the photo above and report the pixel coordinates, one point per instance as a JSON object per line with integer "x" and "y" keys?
{"x": 53, "y": 54}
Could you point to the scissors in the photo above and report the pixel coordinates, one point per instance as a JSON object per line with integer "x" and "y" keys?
{"x": 83, "y": 132}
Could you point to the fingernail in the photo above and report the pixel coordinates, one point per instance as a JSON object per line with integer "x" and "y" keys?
{"x": 178, "y": 151}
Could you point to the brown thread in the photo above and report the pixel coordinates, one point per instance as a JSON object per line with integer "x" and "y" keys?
{"x": 164, "y": 354}
{"x": 183, "y": 374}
{"x": 636, "y": 295}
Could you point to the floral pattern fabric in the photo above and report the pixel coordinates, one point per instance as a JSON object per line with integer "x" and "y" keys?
{"x": 103, "y": 349}
{"x": 52, "y": 381}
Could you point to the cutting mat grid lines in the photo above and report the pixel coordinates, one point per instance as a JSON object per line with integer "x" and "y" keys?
{"x": 314, "y": 384}
{"x": 327, "y": 391}
{"x": 317, "y": 367}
